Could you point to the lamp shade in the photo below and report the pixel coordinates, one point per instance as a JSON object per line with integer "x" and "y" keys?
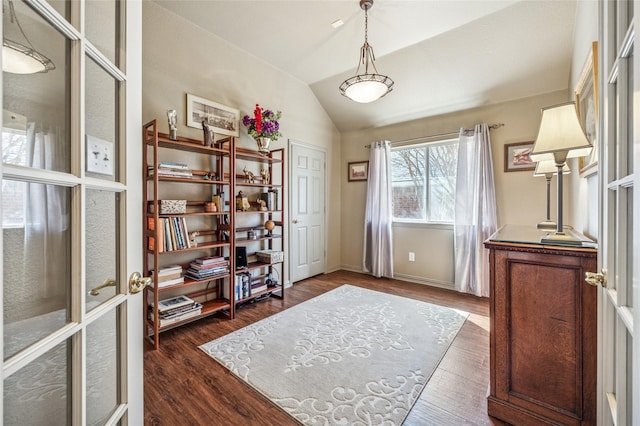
{"x": 549, "y": 166}
{"x": 560, "y": 135}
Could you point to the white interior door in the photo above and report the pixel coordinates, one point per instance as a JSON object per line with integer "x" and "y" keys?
{"x": 619, "y": 255}
{"x": 308, "y": 216}
{"x": 71, "y": 219}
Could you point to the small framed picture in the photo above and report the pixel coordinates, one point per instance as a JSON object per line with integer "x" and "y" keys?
{"x": 517, "y": 157}
{"x": 220, "y": 118}
{"x": 358, "y": 170}
{"x": 587, "y": 108}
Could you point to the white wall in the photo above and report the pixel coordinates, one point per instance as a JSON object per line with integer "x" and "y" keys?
{"x": 202, "y": 64}
{"x": 521, "y": 198}
{"x": 584, "y": 212}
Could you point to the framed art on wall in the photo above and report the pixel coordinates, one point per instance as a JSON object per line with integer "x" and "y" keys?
{"x": 587, "y": 107}
{"x": 358, "y": 170}
{"x": 220, "y": 118}
{"x": 517, "y": 157}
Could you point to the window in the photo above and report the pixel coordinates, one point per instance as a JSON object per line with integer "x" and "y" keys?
{"x": 423, "y": 181}
{"x": 14, "y": 151}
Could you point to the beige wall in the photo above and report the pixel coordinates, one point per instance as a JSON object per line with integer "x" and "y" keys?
{"x": 584, "y": 212}
{"x": 520, "y": 196}
{"x": 207, "y": 66}
{"x": 181, "y": 58}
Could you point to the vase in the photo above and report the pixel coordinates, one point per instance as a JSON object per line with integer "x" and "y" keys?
{"x": 263, "y": 144}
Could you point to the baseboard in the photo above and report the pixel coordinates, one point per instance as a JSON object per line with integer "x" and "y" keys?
{"x": 426, "y": 281}
{"x": 409, "y": 278}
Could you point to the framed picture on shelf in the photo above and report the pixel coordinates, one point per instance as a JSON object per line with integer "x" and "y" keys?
{"x": 358, "y": 170}
{"x": 587, "y": 107}
{"x": 517, "y": 157}
{"x": 220, "y": 118}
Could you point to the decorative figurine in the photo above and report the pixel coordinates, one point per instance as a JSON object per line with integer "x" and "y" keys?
{"x": 242, "y": 202}
{"x": 192, "y": 238}
{"x": 266, "y": 176}
{"x": 208, "y": 134}
{"x": 172, "y": 116}
{"x": 262, "y": 205}
{"x": 248, "y": 175}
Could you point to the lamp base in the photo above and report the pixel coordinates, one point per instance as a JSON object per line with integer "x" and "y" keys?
{"x": 547, "y": 224}
{"x": 561, "y": 239}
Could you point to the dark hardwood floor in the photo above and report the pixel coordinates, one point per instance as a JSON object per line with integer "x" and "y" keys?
{"x": 184, "y": 386}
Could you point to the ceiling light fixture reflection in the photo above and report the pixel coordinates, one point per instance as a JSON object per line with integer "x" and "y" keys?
{"x": 18, "y": 58}
{"x": 365, "y": 88}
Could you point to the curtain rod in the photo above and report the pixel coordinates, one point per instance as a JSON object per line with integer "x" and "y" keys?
{"x": 491, "y": 127}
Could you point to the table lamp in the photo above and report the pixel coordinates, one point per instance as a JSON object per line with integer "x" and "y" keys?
{"x": 548, "y": 169}
{"x": 560, "y": 137}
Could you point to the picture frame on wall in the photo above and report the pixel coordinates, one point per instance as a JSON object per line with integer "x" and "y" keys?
{"x": 586, "y": 92}
{"x": 517, "y": 157}
{"x": 221, "y": 119}
{"x": 358, "y": 171}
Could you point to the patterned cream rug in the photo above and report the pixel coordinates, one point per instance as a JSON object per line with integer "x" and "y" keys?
{"x": 351, "y": 356}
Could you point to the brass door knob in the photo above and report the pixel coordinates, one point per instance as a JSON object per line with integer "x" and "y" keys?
{"x": 594, "y": 278}
{"x": 137, "y": 282}
{"x": 295, "y": 221}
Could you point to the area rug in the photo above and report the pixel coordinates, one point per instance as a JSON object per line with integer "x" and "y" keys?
{"x": 351, "y": 356}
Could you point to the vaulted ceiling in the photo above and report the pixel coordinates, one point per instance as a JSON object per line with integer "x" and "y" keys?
{"x": 444, "y": 55}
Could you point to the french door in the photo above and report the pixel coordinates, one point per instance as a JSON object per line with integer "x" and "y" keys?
{"x": 71, "y": 197}
{"x": 619, "y": 255}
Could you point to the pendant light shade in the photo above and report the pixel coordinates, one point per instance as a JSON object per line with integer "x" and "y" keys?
{"x": 367, "y": 87}
{"x": 18, "y": 58}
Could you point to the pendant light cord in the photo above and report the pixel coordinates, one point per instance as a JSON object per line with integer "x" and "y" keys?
{"x": 12, "y": 14}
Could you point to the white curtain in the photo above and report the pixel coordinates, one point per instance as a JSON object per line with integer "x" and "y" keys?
{"x": 475, "y": 216}
{"x": 46, "y": 214}
{"x": 377, "y": 258}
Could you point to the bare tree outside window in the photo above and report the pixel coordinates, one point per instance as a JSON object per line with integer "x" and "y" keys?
{"x": 424, "y": 181}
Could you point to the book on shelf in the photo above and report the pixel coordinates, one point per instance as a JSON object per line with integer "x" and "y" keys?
{"x": 242, "y": 286}
{"x": 191, "y": 314}
{"x": 173, "y": 165}
{"x": 174, "y": 302}
{"x": 258, "y": 287}
{"x": 180, "y": 311}
{"x": 209, "y": 260}
{"x": 167, "y": 172}
{"x": 169, "y": 283}
{"x": 168, "y": 270}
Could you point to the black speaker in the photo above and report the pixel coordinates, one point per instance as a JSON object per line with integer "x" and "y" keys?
{"x": 241, "y": 257}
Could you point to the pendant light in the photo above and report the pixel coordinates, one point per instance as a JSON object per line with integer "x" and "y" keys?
{"x": 18, "y": 58}
{"x": 365, "y": 88}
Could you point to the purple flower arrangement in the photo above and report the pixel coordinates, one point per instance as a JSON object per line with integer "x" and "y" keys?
{"x": 264, "y": 123}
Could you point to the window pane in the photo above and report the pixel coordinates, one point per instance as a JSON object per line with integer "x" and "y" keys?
{"x": 101, "y": 122}
{"x": 424, "y": 181}
{"x": 442, "y": 182}
{"x": 39, "y": 394}
{"x": 101, "y": 240}
{"x": 408, "y": 177}
{"x": 36, "y": 109}
{"x": 102, "y": 368}
{"x": 102, "y": 26}
{"x": 37, "y": 264}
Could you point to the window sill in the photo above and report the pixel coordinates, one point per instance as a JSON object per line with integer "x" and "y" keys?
{"x": 422, "y": 225}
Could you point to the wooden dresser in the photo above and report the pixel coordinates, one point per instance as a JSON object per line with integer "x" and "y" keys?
{"x": 543, "y": 330}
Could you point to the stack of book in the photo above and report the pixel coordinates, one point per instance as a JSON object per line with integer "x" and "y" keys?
{"x": 206, "y": 268}
{"x": 177, "y": 309}
{"x": 173, "y": 169}
{"x": 170, "y": 275}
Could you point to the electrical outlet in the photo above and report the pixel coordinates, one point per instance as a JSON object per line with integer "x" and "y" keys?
{"x": 412, "y": 256}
